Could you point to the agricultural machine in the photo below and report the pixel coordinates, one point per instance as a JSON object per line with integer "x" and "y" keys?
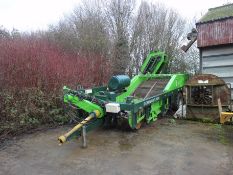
{"x": 126, "y": 101}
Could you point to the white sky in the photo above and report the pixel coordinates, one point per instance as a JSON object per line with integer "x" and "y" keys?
{"x": 28, "y": 15}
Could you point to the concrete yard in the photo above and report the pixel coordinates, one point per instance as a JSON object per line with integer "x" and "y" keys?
{"x": 166, "y": 147}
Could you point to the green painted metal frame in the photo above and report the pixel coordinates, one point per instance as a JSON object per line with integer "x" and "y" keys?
{"x": 138, "y": 109}
{"x": 85, "y": 105}
{"x": 157, "y": 103}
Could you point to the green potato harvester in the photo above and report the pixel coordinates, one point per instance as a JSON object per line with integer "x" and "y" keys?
{"x": 127, "y": 102}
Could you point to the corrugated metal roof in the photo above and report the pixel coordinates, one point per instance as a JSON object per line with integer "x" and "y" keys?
{"x": 217, "y": 13}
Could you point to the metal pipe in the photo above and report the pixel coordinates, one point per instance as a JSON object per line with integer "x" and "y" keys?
{"x": 94, "y": 114}
{"x": 182, "y": 109}
{"x": 84, "y": 138}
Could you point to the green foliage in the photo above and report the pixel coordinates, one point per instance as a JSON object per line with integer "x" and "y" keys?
{"x": 26, "y": 120}
{"x": 61, "y": 119}
{"x": 27, "y": 109}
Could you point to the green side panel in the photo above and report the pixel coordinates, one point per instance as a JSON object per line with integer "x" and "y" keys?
{"x": 152, "y": 116}
{"x": 155, "y": 111}
{"x": 139, "y": 118}
{"x": 176, "y": 81}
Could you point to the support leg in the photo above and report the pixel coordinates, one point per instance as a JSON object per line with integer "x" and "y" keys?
{"x": 84, "y": 138}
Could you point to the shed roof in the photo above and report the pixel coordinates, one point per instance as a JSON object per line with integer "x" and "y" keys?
{"x": 217, "y": 13}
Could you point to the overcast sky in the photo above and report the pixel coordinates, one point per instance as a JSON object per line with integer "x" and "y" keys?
{"x": 28, "y": 15}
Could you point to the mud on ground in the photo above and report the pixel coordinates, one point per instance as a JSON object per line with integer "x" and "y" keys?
{"x": 166, "y": 147}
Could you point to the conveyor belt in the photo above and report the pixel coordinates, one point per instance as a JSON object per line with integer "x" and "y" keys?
{"x": 151, "y": 88}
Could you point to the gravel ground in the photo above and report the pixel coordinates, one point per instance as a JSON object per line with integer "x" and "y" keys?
{"x": 166, "y": 147}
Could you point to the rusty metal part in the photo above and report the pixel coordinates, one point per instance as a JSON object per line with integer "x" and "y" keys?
{"x": 202, "y": 93}
{"x": 205, "y": 79}
{"x": 205, "y": 89}
{"x": 192, "y": 36}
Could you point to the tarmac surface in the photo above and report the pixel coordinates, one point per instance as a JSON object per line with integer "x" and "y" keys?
{"x": 166, "y": 147}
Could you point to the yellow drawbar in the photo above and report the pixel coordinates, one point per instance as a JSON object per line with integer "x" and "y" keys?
{"x": 94, "y": 114}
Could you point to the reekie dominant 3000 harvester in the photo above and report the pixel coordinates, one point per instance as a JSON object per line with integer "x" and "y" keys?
{"x": 141, "y": 99}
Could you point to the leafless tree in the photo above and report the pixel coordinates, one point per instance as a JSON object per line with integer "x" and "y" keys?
{"x": 4, "y": 33}
{"x": 192, "y": 57}
{"x": 118, "y": 14}
{"x": 124, "y": 34}
{"x": 156, "y": 28}
{"x": 84, "y": 30}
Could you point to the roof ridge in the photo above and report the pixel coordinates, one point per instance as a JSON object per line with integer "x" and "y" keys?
{"x": 212, "y": 20}
{"x": 221, "y": 12}
{"x": 219, "y": 7}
